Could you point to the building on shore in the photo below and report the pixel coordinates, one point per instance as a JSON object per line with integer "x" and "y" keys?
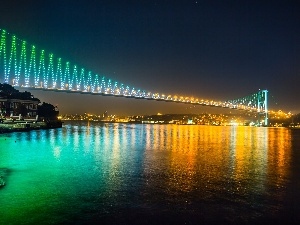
{"x": 15, "y": 103}
{"x": 13, "y": 107}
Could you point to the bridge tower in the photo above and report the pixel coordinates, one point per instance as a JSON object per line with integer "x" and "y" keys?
{"x": 257, "y": 102}
{"x": 262, "y": 105}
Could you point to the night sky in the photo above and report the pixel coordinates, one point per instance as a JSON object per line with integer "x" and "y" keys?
{"x": 207, "y": 49}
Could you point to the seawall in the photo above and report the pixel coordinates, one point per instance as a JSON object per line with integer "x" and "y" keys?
{"x": 19, "y": 126}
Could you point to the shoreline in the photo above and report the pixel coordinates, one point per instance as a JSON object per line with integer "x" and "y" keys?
{"x": 184, "y": 124}
{"x": 23, "y": 126}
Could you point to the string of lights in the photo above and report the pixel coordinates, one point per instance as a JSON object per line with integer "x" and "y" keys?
{"x": 25, "y": 66}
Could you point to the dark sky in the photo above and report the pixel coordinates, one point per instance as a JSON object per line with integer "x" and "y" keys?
{"x": 208, "y": 49}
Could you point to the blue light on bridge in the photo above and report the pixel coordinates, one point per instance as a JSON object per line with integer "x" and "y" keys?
{"x": 23, "y": 65}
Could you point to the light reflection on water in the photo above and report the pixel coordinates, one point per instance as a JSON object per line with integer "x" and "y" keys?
{"x": 87, "y": 171}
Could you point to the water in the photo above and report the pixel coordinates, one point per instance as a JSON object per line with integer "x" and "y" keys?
{"x": 88, "y": 173}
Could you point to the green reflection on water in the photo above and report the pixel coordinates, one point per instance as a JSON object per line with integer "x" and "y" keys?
{"x": 86, "y": 168}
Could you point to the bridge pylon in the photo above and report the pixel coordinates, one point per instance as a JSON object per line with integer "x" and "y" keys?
{"x": 262, "y": 105}
{"x": 255, "y": 102}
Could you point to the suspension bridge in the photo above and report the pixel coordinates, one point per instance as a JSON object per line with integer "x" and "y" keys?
{"x": 24, "y": 65}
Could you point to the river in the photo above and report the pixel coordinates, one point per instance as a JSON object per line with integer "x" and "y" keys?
{"x": 110, "y": 173}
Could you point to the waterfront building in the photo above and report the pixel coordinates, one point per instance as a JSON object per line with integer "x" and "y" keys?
{"x": 9, "y": 106}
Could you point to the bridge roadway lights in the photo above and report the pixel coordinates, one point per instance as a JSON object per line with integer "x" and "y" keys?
{"x": 220, "y": 105}
{"x": 22, "y": 64}
{"x": 261, "y": 101}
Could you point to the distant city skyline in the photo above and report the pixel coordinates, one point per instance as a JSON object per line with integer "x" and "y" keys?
{"x": 216, "y": 51}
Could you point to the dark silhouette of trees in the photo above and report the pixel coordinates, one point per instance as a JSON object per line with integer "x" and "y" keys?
{"x": 21, "y": 109}
{"x": 10, "y": 92}
{"x": 7, "y": 90}
{"x": 48, "y": 111}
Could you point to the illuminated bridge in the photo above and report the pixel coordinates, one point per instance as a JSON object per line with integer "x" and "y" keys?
{"x": 24, "y": 65}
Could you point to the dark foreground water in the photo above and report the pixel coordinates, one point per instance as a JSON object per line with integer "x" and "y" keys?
{"x": 93, "y": 173}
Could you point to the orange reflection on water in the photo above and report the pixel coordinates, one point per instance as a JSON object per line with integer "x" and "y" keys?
{"x": 231, "y": 159}
{"x": 279, "y": 158}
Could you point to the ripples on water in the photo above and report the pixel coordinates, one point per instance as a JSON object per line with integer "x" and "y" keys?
{"x": 149, "y": 174}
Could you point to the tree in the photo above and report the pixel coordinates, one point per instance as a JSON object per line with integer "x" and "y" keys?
{"x": 21, "y": 109}
{"x": 7, "y": 89}
{"x": 47, "y": 110}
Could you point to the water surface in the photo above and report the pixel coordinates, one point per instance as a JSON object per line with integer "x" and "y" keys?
{"x": 150, "y": 174}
